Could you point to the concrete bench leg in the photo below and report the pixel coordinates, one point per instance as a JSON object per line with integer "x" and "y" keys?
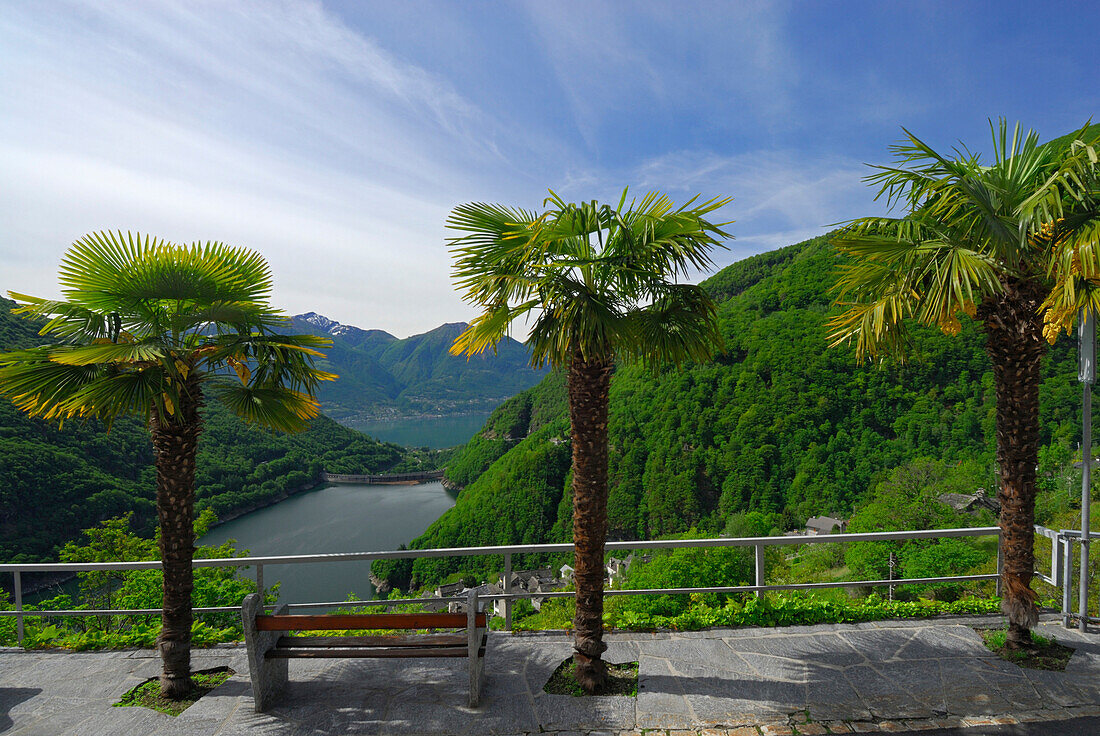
{"x": 269, "y": 676}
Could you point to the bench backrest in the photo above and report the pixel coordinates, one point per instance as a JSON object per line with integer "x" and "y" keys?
{"x": 343, "y": 622}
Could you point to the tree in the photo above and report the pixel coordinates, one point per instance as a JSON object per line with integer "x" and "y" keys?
{"x": 600, "y": 284}
{"x": 1015, "y": 246}
{"x": 147, "y": 327}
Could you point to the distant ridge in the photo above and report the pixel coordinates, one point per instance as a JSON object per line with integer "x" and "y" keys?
{"x": 382, "y": 376}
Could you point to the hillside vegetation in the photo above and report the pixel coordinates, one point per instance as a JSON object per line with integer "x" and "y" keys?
{"x": 54, "y": 482}
{"x": 383, "y": 376}
{"x": 778, "y": 423}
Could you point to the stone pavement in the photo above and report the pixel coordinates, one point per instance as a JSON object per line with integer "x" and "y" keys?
{"x": 884, "y": 676}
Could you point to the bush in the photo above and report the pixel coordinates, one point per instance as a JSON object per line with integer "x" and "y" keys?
{"x": 112, "y": 541}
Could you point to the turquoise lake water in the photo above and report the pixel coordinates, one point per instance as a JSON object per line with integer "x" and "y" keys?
{"x": 335, "y": 518}
{"x": 436, "y": 432}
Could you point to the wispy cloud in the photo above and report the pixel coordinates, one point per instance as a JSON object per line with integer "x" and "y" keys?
{"x": 625, "y": 71}
{"x": 335, "y": 137}
{"x": 273, "y": 126}
{"x": 780, "y": 196}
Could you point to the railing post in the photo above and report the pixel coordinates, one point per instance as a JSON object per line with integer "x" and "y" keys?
{"x": 260, "y": 581}
{"x": 507, "y": 587}
{"x": 1067, "y": 577}
{"x": 759, "y": 567}
{"x": 18, "y": 607}
{"x": 1056, "y": 562}
{"x": 1087, "y": 334}
{"x": 1000, "y": 563}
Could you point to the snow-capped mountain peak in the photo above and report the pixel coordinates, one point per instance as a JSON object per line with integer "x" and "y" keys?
{"x": 322, "y": 322}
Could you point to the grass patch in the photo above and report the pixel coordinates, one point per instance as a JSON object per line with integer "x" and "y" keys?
{"x": 622, "y": 680}
{"x": 1043, "y": 654}
{"x": 147, "y": 694}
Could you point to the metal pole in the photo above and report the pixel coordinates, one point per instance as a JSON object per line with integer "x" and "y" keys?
{"x": 1086, "y": 373}
{"x": 507, "y": 587}
{"x": 260, "y": 582}
{"x": 1086, "y": 478}
{"x": 893, "y": 561}
{"x": 18, "y": 608}
{"x": 759, "y": 567}
{"x": 1067, "y": 579}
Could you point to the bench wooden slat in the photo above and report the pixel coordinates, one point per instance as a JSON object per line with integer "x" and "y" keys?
{"x": 300, "y": 622}
{"x": 370, "y": 652}
{"x": 421, "y": 640}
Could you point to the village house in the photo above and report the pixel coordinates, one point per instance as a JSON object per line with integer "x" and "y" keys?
{"x": 825, "y": 525}
{"x": 485, "y": 589}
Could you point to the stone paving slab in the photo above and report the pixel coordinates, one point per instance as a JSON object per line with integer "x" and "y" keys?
{"x": 888, "y": 677}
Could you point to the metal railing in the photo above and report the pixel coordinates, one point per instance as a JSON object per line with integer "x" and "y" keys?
{"x": 508, "y": 596}
{"x": 1061, "y": 570}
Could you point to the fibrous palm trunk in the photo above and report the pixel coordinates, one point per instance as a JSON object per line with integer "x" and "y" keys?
{"x": 589, "y": 383}
{"x": 175, "y": 444}
{"x": 1015, "y": 345}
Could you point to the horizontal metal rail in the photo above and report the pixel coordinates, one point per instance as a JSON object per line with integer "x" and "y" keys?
{"x": 981, "y": 531}
{"x": 115, "y": 611}
{"x": 543, "y": 594}
{"x": 508, "y": 597}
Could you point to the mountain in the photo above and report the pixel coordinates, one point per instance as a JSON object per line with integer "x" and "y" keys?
{"x": 55, "y": 482}
{"x": 778, "y": 423}
{"x": 383, "y": 376}
{"x": 373, "y": 342}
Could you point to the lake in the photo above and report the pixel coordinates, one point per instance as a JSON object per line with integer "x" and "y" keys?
{"x": 335, "y": 518}
{"x": 436, "y": 432}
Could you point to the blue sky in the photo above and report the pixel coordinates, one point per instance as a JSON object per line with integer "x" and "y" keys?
{"x": 334, "y": 137}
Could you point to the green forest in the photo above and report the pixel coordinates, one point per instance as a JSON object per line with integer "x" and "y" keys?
{"x": 383, "y": 376}
{"x": 778, "y": 425}
{"x": 55, "y": 482}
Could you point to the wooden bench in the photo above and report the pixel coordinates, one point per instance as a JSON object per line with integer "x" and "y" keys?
{"x": 269, "y": 647}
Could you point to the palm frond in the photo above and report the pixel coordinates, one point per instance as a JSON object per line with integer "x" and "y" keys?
{"x": 144, "y": 319}
{"x": 680, "y": 325}
{"x": 39, "y": 386}
{"x": 876, "y": 327}
{"x": 487, "y": 329}
{"x": 107, "y": 352}
{"x": 58, "y": 391}
{"x": 967, "y": 228}
{"x": 581, "y": 269}
{"x": 275, "y": 407}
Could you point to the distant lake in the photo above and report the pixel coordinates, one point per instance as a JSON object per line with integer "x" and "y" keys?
{"x": 334, "y": 518}
{"x": 434, "y": 432}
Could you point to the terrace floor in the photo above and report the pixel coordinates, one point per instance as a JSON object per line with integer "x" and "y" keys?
{"x": 883, "y": 676}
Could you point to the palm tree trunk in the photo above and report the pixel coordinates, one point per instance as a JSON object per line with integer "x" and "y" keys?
{"x": 589, "y": 382}
{"x": 1015, "y": 345}
{"x": 175, "y": 444}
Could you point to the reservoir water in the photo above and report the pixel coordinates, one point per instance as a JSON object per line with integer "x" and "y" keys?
{"x": 437, "y": 433}
{"x": 333, "y": 518}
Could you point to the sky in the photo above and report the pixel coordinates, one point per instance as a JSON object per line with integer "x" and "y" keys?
{"x": 335, "y": 137}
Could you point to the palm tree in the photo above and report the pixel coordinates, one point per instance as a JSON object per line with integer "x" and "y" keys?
{"x": 1013, "y": 245}
{"x": 599, "y": 283}
{"x": 146, "y": 327}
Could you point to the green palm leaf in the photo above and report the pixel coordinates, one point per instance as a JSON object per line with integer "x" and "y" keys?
{"x": 969, "y": 228}
{"x": 141, "y": 315}
{"x": 277, "y": 407}
{"x": 579, "y": 270}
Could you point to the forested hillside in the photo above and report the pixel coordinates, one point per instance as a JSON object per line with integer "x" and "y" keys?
{"x": 55, "y": 482}
{"x": 777, "y": 423}
{"x": 383, "y": 376}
